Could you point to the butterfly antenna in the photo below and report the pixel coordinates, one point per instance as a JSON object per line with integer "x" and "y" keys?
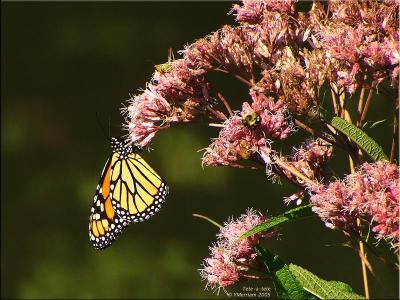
{"x": 109, "y": 127}
{"x": 108, "y": 137}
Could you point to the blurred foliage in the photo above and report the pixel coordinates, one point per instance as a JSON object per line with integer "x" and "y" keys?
{"x": 61, "y": 64}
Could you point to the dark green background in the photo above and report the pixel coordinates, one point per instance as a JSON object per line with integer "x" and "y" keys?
{"x": 61, "y": 64}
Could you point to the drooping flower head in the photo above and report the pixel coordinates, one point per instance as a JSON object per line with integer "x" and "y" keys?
{"x": 310, "y": 159}
{"x": 371, "y": 193}
{"x": 230, "y": 258}
{"x": 235, "y": 141}
{"x": 375, "y": 191}
{"x": 234, "y": 228}
{"x": 242, "y": 137}
{"x": 229, "y": 49}
{"x": 219, "y": 270}
{"x": 177, "y": 95}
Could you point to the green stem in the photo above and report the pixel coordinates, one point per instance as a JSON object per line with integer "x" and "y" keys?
{"x": 394, "y": 137}
{"x": 208, "y": 219}
{"x": 366, "y": 106}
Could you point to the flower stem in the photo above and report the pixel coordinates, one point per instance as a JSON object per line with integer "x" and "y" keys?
{"x": 363, "y": 265}
{"x": 223, "y": 100}
{"x": 363, "y": 255}
{"x": 236, "y": 76}
{"x": 395, "y": 136}
{"x": 366, "y": 106}
{"x": 360, "y": 106}
{"x": 208, "y": 219}
{"x": 334, "y": 102}
{"x": 216, "y": 125}
{"x": 294, "y": 171}
{"x": 315, "y": 132}
{"x": 219, "y": 115}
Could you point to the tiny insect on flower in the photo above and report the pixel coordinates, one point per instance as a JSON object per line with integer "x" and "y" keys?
{"x": 251, "y": 119}
{"x": 166, "y": 67}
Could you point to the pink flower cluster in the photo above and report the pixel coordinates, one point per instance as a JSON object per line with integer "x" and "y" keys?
{"x": 289, "y": 71}
{"x": 235, "y": 141}
{"x": 229, "y": 49}
{"x": 296, "y": 80}
{"x": 310, "y": 159}
{"x": 177, "y": 95}
{"x": 231, "y": 257}
{"x": 181, "y": 92}
{"x": 371, "y": 193}
{"x": 239, "y": 140}
{"x": 253, "y": 11}
{"x": 279, "y": 53}
{"x": 219, "y": 270}
{"x": 361, "y": 40}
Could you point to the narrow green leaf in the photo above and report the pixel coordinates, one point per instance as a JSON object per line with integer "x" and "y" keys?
{"x": 373, "y": 124}
{"x": 366, "y": 124}
{"x": 343, "y": 244}
{"x": 286, "y": 284}
{"x": 365, "y": 142}
{"x": 321, "y": 288}
{"x": 208, "y": 219}
{"x": 290, "y": 215}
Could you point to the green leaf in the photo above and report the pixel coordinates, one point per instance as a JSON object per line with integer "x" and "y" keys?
{"x": 341, "y": 286}
{"x": 208, "y": 219}
{"x": 286, "y": 284}
{"x": 321, "y": 288}
{"x": 290, "y": 215}
{"x": 373, "y": 124}
{"x": 342, "y": 244}
{"x": 365, "y": 142}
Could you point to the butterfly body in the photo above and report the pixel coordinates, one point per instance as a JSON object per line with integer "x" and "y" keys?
{"x": 129, "y": 191}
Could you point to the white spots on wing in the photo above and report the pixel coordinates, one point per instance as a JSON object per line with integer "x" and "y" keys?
{"x": 121, "y": 151}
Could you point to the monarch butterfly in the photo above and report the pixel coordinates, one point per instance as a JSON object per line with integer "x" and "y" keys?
{"x": 129, "y": 191}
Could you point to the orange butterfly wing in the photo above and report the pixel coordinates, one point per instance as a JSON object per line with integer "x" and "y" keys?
{"x": 104, "y": 224}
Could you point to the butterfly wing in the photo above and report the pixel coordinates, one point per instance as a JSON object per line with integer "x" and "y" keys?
{"x": 104, "y": 223}
{"x": 137, "y": 191}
